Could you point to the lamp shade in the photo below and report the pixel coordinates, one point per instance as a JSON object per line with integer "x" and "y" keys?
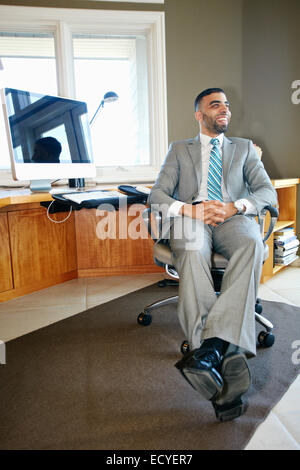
{"x": 110, "y": 96}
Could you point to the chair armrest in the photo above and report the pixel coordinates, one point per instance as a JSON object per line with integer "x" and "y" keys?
{"x": 153, "y": 221}
{"x": 274, "y": 213}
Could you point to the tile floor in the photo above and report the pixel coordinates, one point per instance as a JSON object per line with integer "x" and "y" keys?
{"x": 281, "y": 429}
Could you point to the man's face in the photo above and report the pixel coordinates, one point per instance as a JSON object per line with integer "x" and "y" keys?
{"x": 213, "y": 114}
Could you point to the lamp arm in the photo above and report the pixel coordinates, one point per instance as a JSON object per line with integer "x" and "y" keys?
{"x": 97, "y": 111}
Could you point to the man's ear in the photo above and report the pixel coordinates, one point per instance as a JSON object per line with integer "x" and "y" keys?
{"x": 198, "y": 116}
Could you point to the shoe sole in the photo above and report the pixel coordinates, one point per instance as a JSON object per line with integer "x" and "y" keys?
{"x": 203, "y": 382}
{"x": 237, "y": 378}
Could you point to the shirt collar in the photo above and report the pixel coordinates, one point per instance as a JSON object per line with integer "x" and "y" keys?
{"x": 205, "y": 139}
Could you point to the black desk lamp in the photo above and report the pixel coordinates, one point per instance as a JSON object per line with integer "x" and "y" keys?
{"x": 109, "y": 97}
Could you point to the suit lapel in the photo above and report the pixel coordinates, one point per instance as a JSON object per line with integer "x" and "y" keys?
{"x": 194, "y": 148}
{"x": 228, "y": 153}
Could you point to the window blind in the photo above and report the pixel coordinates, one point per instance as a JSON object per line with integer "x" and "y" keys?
{"x": 90, "y": 47}
{"x": 21, "y": 45}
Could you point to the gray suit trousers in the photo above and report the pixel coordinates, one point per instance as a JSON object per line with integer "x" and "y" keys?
{"x": 203, "y": 314}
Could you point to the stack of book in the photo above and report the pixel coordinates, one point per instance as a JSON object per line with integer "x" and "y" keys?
{"x": 286, "y": 245}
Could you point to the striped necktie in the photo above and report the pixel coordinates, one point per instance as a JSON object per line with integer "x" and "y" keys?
{"x": 214, "y": 172}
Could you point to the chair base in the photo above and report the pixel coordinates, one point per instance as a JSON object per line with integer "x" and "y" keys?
{"x": 145, "y": 318}
{"x": 168, "y": 282}
{"x": 265, "y": 339}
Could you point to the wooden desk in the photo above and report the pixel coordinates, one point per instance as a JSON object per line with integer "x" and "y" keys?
{"x": 11, "y": 197}
{"x": 36, "y": 253}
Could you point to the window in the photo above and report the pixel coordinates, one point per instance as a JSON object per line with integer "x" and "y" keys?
{"x": 83, "y": 54}
{"x": 28, "y": 62}
{"x": 120, "y": 133}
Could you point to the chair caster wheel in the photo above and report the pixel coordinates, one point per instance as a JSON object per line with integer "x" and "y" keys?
{"x": 258, "y": 308}
{"x": 167, "y": 282}
{"x": 185, "y": 347}
{"x": 266, "y": 339}
{"x": 144, "y": 319}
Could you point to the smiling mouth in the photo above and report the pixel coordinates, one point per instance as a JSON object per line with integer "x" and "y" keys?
{"x": 222, "y": 118}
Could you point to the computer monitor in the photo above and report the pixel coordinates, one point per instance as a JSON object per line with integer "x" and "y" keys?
{"x": 48, "y": 137}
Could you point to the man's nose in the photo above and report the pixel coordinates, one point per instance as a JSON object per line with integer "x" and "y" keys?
{"x": 224, "y": 109}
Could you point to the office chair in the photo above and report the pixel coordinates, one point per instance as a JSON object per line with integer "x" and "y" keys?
{"x": 162, "y": 256}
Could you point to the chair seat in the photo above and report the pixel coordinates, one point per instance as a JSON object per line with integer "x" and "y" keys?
{"x": 163, "y": 255}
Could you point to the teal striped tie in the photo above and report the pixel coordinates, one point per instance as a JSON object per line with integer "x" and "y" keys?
{"x": 214, "y": 173}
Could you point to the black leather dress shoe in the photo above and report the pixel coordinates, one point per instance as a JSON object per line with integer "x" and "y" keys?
{"x": 200, "y": 368}
{"x": 235, "y": 372}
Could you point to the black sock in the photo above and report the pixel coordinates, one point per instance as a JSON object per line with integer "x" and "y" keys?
{"x": 216, "y": 343}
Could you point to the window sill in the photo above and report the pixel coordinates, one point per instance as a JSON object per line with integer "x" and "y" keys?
{"x": 107, "y": 177}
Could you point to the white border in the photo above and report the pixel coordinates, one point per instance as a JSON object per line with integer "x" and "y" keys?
{"x": 63, "y": 22}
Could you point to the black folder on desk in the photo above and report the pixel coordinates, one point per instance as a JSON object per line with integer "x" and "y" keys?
{"x": 94, "y": 198}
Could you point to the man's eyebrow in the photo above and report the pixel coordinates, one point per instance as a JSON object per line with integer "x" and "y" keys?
{"x": 218, "y": 101}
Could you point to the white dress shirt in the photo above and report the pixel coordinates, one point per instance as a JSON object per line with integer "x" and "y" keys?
{"x": 206, "y": 147}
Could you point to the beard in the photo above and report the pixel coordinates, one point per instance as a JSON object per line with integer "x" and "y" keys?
{"x": 212, "y": 125}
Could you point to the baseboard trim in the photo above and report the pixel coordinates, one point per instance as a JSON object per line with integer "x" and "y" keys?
{"x": 14, "y": 293}
{"x": 119, "y": 271}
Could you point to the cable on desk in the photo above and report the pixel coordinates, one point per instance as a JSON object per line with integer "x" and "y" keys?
{"x": 57, "y": 221}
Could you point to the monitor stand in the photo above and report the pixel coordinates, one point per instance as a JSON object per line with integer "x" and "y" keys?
{"x": 76, "y": 183}
{"x": 40, "y": 186}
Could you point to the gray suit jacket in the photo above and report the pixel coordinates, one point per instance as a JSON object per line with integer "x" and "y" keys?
{"x": 180, "y": 176}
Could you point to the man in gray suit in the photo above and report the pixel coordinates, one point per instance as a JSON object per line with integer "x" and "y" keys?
{"x": 209, "y": 190}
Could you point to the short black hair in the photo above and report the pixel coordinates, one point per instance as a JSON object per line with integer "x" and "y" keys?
{"x": 52, "y": 145}
{"x": 206, "y": 92}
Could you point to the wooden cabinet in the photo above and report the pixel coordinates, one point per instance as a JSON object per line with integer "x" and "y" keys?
{"x": 287, "y": 199}
{"x": 41, "y": 249}
{"x": 6, "y": 280}
{"x": 35, "y": 252}
{"x": 113, "y": 243}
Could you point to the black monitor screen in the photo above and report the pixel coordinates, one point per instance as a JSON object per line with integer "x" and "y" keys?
{"x": 47, "y": 129}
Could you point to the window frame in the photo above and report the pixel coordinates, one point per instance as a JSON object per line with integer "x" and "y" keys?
{"x": 63, "y": 23}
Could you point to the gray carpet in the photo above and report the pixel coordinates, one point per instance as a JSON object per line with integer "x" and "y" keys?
{"x": 98, "y": 380}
